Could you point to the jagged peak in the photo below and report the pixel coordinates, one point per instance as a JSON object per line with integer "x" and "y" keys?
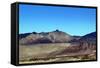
{"x": 57, "y": 30}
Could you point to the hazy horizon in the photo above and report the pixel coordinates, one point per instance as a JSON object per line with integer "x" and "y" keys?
{"x": 74, "y": 21}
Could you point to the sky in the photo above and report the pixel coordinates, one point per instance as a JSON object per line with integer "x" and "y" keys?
{"x": 72, "y": 20}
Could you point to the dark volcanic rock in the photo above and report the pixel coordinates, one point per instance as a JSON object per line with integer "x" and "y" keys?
{"x": 89, "y": 37}
{"x": 88, "y": 41}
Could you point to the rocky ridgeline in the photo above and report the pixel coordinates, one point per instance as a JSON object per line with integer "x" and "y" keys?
{"x": 86, "y": 41}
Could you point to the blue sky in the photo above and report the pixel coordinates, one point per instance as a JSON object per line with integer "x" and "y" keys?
{"x": 72, "y": 20}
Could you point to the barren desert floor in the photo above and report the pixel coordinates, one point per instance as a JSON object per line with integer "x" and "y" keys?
{"x": 53, "y": 52}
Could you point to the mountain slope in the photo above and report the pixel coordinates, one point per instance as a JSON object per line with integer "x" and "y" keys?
{"x": 61, "y": 48}
{"x": 46, "y": 37}
{"x": 88, "y": 41}
{"x": 89, "y": 37}
{"x": 85, "y": 45}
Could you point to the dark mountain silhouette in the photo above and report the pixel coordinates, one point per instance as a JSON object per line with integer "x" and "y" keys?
{"x": 89, "y": 37}
{"x": 88, "y": 41}
{"x": 23, "y": 35}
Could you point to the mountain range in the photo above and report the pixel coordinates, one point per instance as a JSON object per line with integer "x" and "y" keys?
{"x": 45, "y": 37}
{"x": 56, "y": 44}
{"x": 55, "y": 37}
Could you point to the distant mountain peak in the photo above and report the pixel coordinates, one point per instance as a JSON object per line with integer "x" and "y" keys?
{"x": 57, "y": 30}
{"x": 34, "y": 32}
